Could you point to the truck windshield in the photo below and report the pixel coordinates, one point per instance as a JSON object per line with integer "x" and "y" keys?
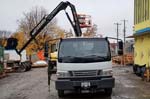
{"x": 84, "y": 50}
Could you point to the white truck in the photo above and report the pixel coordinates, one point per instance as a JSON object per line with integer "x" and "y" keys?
{"x": 84, "y": 64}
{"x": 13, "y": 60}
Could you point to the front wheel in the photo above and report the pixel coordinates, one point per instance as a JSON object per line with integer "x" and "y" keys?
{"x": 61, "y": 93}
{"x": 108, "y": 91}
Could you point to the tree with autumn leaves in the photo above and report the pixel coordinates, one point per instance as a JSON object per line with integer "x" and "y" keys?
{"x": 28, "y": 22}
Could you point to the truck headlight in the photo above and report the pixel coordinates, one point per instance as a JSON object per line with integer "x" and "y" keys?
{"x": 107, "y": 72}
{"x": 62, "y": 74}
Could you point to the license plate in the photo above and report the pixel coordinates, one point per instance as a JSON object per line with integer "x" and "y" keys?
{"x": 85, "y": 84}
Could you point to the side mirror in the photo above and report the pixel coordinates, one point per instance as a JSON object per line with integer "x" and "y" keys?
{"x": 120, "y": 48}
{"x": 11, "y": 43}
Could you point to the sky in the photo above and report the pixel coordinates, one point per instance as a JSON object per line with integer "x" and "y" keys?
{"x": 104, "y": 13}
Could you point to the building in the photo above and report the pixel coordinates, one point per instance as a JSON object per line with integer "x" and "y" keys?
{"x": 129, "y": 47}
{"x": 142, "y": 32}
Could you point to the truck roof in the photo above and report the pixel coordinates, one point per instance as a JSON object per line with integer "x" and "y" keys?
{"x": 77, "y": 38}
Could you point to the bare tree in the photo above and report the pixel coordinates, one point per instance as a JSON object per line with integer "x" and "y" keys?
{"x": 91, "y": 31}
{"x": 5, "y": 33}
{"x": 31, "y": 19}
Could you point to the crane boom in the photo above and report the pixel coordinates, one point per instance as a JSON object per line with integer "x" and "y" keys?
{"x": 46, "y": 19}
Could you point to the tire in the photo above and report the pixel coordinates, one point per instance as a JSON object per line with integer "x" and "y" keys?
{"x": 27, "y": 68}
{"x": 61, "y": 93}
{"x": 108, "y": 91}
{"x": 22, "y": 68}
{"x": 28, "y": 65}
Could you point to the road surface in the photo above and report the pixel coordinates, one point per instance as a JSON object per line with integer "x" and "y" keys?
{"x": 33, "y": 85}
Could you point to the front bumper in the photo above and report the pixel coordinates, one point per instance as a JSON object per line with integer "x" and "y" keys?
{"x": 76, "y": 82}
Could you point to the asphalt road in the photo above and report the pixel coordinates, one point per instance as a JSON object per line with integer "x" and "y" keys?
{"x": 33, "y": 85}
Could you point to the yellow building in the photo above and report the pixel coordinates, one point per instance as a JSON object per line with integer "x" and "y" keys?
{"x": 142, "y": 32}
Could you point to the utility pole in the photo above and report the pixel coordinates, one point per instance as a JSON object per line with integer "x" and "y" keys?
{"x": 124, "y": 33}
{"x": 117, "y": 24}
{"x": 124, "y": 36}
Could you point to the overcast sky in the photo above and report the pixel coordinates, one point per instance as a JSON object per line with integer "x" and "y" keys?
{"x": 104, "y": 13}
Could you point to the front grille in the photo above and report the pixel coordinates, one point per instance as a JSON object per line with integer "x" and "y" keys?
{"x": 85, "y": 73}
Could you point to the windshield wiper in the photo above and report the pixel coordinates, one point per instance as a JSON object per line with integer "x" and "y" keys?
{"x": 95, "y": 56}
{"x": 65, "y": 58}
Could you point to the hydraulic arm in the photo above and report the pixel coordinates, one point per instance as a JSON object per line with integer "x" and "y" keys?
{"x": 46, "y": 19}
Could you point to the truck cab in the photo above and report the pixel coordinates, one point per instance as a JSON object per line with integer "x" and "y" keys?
{"x": 84, "y": 64}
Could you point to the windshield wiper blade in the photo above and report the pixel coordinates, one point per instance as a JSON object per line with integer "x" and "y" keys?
{"x": 67, "y": 57}
{"x": 70, "y": 59}
{"x": 95, "y": 56}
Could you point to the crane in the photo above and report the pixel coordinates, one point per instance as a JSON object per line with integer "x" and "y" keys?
{"x": 46, "y": 19}
{"x": 44, "y": 22}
